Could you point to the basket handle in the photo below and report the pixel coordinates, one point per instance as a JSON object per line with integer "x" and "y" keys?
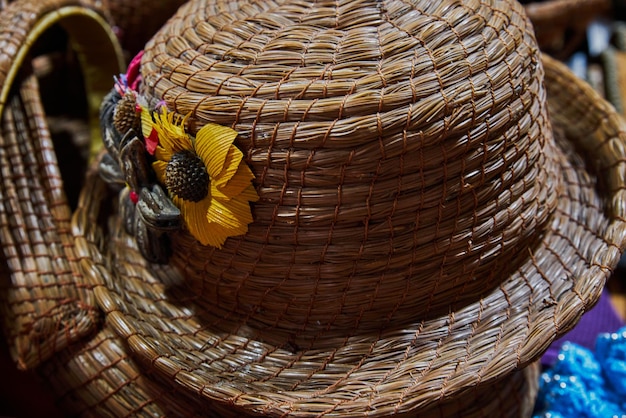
{"x": 46, "y": 302}
{"x": 92, "y": 39}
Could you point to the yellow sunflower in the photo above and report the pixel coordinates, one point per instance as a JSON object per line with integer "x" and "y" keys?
{"x": 206, "y": 178}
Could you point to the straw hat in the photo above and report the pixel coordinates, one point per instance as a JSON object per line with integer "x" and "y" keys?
{"x": 423, "y": 216}
{"x": 422, "y": 223}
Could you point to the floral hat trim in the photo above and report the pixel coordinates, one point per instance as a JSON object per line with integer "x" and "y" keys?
{"x": 206, "y": 177}
{"x": 169, "y": 178}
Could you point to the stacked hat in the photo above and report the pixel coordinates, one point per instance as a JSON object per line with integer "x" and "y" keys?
{"x": 344, "y": 209}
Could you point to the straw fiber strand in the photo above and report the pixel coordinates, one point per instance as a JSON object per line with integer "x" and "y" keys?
{"x": 511, "y": 397}
{"x": 45, "y": 303}
{"x": 424, "y": 219}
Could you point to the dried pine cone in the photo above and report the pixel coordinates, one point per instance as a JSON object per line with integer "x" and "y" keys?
{"x": 127, "y": 115}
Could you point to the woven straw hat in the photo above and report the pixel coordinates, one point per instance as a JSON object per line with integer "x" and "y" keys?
{"x": 424, "y": 222}
{"x": 435, "y": 203}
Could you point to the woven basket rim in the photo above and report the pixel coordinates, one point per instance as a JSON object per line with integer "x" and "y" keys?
{"x": 509, "y": 396}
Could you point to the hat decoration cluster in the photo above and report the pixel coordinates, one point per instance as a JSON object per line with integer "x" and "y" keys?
{"x": 167, "y": 178}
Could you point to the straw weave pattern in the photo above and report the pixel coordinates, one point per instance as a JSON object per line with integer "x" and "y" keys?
{"x": 438, "y": 202}
{"x": 45, "y": 303}
{"x": 100, "y": 377}
{"x": 398, "y": 149}
{"x": 422, "y": 223}
{"x": 163, "y": 322}
{"x": 45, "y": 307}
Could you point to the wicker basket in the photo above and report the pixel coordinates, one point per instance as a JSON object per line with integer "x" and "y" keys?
{"x": 45, "y": 304}
{"x": 437, "y": 202}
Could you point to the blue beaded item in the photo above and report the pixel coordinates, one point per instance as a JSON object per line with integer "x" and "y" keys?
{"x": 586, "y": 384}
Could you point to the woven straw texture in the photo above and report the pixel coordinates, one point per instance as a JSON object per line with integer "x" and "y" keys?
{"x": 424, "y": 226}
{"x": 438, "y": 202}
{"x": 100, "y": 377}
{"x": 45, "y": 305}
{"x": 391, "y": 188}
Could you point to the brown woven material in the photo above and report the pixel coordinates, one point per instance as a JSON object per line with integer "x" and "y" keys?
{"x": 512, "y": 396}
{"x": 425, "y": 224}
{"x": 45, "y": 303}
{"x": 100, "y": 377}
{"x": 375, "y": 174}
{"x": 430, "y": 218}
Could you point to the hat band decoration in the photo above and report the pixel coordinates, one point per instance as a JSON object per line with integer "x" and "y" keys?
{"x": 207, "y": 182}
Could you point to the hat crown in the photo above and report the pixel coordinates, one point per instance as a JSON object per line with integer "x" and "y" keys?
{"x": 398, "y": 150}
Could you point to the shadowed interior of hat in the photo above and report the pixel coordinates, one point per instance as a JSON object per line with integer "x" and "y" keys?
{"x": 398, "y": 149}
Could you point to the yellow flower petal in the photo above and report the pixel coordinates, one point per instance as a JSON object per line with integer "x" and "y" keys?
{"x": 172, "y": 136}
{"x": 219, "y": 234}
{"x": 159, "y": 168}
{"x": 231, "y": 164}
{"x": 212, "y": 144}
{"x": 226, "y": 210}
{"x": 146, "y": 121}
{"x": 234, "y": 216}
{"x": 194, "y": 215}
{"x": 249, "y": 194}
{"x": 163, "y": 154}
{"x": 237, "y": 183}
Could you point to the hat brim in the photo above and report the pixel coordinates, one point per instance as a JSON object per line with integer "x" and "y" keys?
{"x": 398, "y": 370}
